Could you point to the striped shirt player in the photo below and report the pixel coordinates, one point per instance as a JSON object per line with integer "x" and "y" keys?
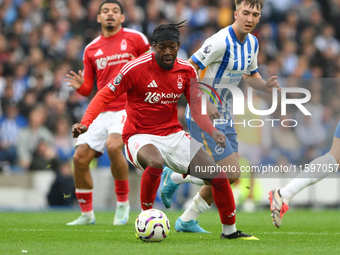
{"x": 223, "y": 59}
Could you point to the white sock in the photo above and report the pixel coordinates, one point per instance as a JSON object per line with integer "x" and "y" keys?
{"x": 89, "y": 214}
{"x": 307, "y": 178}
{"x": 123, "y": 203}
{"x": 196, "y": 181}
{"x": 228, "y": 229}
{"x": 199, "y": 205}
{"x": 178, "y": 179}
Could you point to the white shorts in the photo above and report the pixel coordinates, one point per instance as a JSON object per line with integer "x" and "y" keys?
{"x": 177, "y": 149}
{"x": 106, "y": 123}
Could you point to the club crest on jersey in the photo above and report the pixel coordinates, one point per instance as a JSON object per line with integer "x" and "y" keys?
{"x": 219, "y": 149}
{"x": 179, "y": 82}
{"x": 207, "y": 49}
{"x": 123, "y": 45}
{"x": 118, "y": 79}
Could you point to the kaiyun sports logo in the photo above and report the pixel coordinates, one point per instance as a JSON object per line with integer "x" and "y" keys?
{"x": 238, "y": 104}
{"x": 164, "y": 98}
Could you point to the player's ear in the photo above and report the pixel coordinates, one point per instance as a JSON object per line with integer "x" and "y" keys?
{"x": 179, "y": 44}
{"x": 235, "y": 15}
{"x": 98, "y": 18}
{"x": 122, "y": 18}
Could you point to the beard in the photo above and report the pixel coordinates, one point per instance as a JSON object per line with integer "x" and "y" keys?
{"x": 110, "y": 27}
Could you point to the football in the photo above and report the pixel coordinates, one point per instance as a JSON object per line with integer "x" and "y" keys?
{"x": 152, "y": 226}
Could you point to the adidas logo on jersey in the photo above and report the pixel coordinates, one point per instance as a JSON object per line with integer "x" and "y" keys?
{"x": 153, "y": 84}
{"x": 98, "y": 53}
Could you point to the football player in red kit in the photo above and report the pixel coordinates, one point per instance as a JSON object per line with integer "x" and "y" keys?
{"x": 103, "y": 57}
{"x": 152, "y": 134}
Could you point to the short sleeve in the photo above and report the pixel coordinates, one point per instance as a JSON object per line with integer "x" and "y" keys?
{"x": 211, "y": 51}
{"x": 253, "y": 67}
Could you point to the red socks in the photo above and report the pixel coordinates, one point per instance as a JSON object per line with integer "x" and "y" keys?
{"x": 85, "y": 200}
{"x": 149, "y": 185}
{"x": 224, "y": 199}
{"x": 85, "y": 196}
{"x": 122, "y": 190}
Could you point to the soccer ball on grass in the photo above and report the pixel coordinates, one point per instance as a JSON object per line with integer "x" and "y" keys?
{"x": 152, "y": 226}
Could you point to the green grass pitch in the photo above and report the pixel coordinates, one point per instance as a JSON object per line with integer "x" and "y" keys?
{"x": 302, "y": 232}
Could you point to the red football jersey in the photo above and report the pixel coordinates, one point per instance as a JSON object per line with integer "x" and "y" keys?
{"x": 152, "y": 95}
{"x": 105, "y": 56}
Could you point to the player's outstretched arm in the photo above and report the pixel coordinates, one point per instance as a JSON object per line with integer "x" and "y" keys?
{"x": 78, "y": 129}
{"x": 211, "y": 109}
{"x": 97, "y": 105}
{"x": 203, "y": 121}
{"x": 255, "y": 81}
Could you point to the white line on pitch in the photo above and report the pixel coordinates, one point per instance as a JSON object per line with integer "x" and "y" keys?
{"x": 298, "y": 233}
{"x": 60, "y": 230}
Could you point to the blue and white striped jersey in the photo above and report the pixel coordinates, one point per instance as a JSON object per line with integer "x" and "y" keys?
{"x": 224, "y": 59}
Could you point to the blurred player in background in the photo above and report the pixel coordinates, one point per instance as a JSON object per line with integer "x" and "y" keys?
{"x": 317, "y": 170}
{"x": 152, "y": 133}
{"x": 231, "y": 52}
{"x": 103, "y": 58}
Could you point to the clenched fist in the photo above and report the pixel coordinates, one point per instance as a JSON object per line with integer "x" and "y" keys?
{"x": 219, "y": 138}
{"x": 78, "y": 129}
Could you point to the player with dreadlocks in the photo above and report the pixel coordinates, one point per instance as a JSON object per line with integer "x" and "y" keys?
{"x": 224, "y": 58}
{"x": 152, "y": 133}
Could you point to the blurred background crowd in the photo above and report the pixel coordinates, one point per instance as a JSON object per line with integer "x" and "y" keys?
{"x": 42, "y": 40}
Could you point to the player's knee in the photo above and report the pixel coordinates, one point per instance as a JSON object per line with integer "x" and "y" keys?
{"x": 81, "y": 157}
{"x": 114, "y": 149}
{"x": 156, "y": 163}
{"x": 151, "y": 160}
{"x": 78, "y": 160}
{"x": 233, "y": 177}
